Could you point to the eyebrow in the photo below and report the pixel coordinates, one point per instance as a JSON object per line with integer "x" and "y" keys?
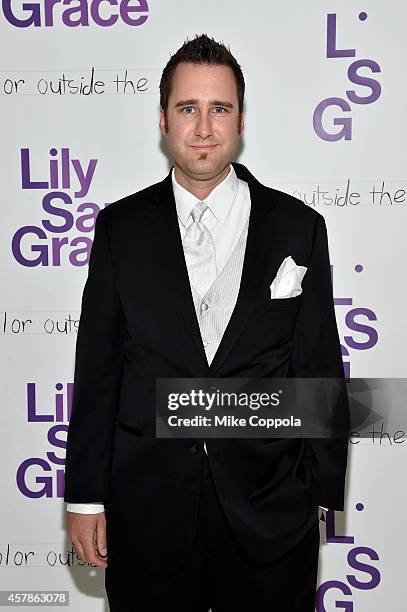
{"x": 212, "y": 102}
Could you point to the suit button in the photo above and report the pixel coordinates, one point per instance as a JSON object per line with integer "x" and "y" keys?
{"x": 193, "y": 450}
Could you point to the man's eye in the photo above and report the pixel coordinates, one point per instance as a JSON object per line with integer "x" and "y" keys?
{"x": 186, "y": 110}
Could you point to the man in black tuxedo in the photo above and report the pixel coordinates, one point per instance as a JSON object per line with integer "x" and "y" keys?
{"x": 231, "y": 524}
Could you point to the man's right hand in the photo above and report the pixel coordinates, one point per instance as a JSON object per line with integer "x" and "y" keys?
{"x": 88, "y": 536}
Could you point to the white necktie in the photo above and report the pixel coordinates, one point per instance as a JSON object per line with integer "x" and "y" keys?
{"x": 199, "y": 250}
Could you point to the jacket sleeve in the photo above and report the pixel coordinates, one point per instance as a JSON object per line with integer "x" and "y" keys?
{"x": 316, "y": 353}
{"x": 97, "y": 378}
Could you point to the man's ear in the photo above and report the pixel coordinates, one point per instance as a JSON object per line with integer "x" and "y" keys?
{"x": 241, "y": 124}
{"x": 162, "y": 122}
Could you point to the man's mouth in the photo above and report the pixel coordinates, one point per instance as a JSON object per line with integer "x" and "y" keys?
{"x": 206, "y": 147}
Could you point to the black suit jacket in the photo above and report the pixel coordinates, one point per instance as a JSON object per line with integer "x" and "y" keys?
{"x": 138, "y": 322}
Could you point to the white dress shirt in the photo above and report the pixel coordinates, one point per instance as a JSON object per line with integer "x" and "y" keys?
{"x": 227, "y": 212}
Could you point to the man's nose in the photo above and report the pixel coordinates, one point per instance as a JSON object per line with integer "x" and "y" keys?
{"x": 203, "y": 126}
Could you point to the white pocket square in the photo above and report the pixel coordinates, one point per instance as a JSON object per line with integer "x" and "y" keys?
{"x": 287, "y": 282}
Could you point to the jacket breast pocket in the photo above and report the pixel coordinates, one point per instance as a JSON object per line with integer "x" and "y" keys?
{"x": 267, "y": 304}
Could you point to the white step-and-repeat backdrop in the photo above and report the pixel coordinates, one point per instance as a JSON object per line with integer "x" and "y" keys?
{"x": 325, "y": 121}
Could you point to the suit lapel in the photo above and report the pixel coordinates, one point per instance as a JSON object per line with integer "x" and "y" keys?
{"x": 257, "y": 259}
{"x": 259, "y": 248}
{"x": 164, "y": 220}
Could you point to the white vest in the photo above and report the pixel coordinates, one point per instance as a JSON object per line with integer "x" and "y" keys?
{"x": 215, "y": 307}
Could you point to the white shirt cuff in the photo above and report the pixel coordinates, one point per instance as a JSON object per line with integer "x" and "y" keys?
{"x": 91, "y": 508}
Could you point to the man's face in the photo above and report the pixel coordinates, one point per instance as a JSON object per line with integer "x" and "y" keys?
{"x": 203, "y": 125}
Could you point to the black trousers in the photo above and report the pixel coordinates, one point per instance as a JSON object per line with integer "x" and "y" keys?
{"x": 217, "y": 575}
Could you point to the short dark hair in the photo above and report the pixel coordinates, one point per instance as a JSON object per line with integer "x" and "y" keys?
{"x": 201, "y": 50}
